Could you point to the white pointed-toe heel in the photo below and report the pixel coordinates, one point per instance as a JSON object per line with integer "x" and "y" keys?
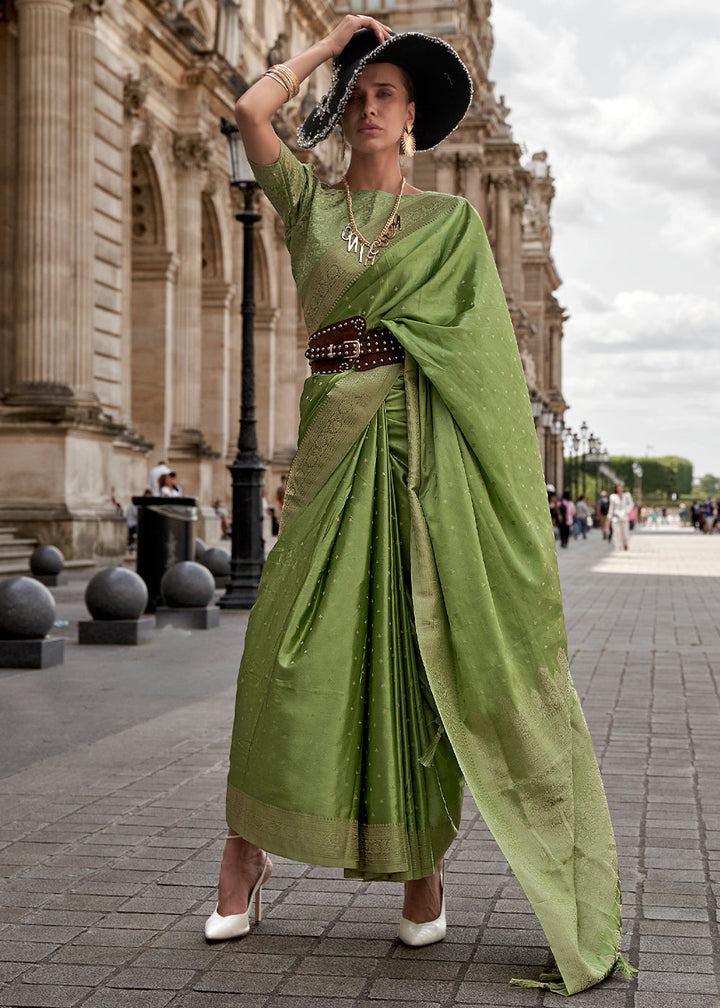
{"x": 429, "y": 932}
{"x": 219, "y": 928}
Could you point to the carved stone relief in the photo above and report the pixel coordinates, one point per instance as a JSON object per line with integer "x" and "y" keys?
{"x": 85, "y": 11}
{"x": 138, "y": 42}
{"x": 278, "y": 52}
{"x": 191, "y": 151}
{"x": 134, "y": 94}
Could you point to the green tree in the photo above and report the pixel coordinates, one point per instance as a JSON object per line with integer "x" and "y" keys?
{"x": 661, "y": 476}
{"x": 707, "y": 486}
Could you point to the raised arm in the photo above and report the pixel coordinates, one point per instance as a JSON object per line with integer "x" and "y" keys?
{"x": 254, "y": 110}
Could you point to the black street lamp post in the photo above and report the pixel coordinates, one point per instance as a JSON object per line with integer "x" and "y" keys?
{"x": 247, "y": 470}
{"x": 583, "y": 436}
{"x": 546, "y": 419}
{"x": 569, "y": 466}
{"x": 565, "y": 442}
{"x": 558, "y": 464}
{"x": 594, "y": 444}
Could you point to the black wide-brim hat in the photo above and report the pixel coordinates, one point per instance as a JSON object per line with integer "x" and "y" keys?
{"x": 443, "y": 88}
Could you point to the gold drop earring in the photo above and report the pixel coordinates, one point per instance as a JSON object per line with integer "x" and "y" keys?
{"x": 407, "y": 142}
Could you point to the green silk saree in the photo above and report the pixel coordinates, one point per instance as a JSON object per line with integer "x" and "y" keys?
{"x": 409, "y": 628}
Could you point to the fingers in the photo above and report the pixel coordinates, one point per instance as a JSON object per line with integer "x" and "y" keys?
{"x": 382, "y": 31}
{"x": 351, "y": 23}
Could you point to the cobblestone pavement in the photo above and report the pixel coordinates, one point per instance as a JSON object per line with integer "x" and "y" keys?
{"x": 112, "y": 822}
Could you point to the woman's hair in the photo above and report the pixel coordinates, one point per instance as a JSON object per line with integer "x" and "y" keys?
{"x": 408, "y": 82}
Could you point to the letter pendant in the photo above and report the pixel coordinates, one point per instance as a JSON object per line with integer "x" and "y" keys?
{"x": 353, "y": 242}
{"x": 373, "y": 252}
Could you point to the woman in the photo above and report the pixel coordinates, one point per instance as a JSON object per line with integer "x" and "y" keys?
{"x": 567, "y": 517}
{"x": 621, "y": 504}
{"x": 409, "y": 629}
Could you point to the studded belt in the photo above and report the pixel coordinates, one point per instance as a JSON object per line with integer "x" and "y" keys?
{"x": 348, "y": 344}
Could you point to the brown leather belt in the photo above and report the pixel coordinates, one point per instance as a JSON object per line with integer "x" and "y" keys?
{"x": 347, "y": 344}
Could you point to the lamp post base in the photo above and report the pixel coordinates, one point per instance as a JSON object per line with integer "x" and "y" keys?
{"x": 247, "y": 553}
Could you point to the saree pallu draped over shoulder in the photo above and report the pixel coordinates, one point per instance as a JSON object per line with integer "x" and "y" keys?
{"x": 409, "y": 629}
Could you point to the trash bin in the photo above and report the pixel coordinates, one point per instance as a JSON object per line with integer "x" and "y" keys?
{"x": 165, "y": 536}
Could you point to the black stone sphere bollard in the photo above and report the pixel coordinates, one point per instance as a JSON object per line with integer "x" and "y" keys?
{"x": 188, "y": 589}
{"x": 46, "y": 564}
{"x": 116, "y": 598}
{"x": 217, "y": 561}
{"x": 27, "y": 614}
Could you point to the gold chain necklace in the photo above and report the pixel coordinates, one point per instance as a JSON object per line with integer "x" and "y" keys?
{"x": 356, "y": 242}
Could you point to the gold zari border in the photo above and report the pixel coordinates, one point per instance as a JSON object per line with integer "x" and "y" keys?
{"x": 385, "y": 851}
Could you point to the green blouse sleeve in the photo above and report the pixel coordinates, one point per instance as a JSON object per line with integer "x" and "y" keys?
{"x": 288, "y": 184}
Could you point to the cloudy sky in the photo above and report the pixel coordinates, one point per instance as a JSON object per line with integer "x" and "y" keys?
{"x": 625, "y": 97}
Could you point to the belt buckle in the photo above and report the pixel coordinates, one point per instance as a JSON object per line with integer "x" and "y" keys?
{"x": 348, "y": 355}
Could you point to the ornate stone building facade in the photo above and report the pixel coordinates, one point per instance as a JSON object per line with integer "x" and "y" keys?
{"x": 121, "y": 261}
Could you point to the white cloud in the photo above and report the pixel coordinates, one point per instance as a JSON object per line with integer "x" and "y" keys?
{"x": 651, "y": 322}
{"x": 643, "y": 369}
{"x": 705, "y": 9}
{"x": 689, "y": 228}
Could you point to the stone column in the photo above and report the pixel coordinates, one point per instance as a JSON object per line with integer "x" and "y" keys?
{"x": 217, "y": 296}
{"x": 154, "y": 275}
{"x": 503, "y": 217}
{"x": 446, "y": 164}
{"x": 517, "y": 205}
{"x": 82, "y": 180}
{"x": 43, "y": 368}
{"x": 138, "y": 128}
{"x": 472, "y": 169}
{"x": 192, "y": 154}
{"x": 8, "y": 183}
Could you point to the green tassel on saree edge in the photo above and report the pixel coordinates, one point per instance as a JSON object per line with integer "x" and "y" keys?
{"x": 553, "y": 981}
{"x": 623, "y": 967}
{"x": 428, "y": 756}
{"x": 548, "y": 981}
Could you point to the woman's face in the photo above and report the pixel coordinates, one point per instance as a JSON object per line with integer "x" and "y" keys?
{"x": 378, "y": 110}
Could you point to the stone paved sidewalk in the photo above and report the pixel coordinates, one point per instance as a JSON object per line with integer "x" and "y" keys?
{"x": 112, "y": 822}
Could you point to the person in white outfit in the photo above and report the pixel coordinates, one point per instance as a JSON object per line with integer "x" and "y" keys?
{"x": 154, "y": 477}
{"x": 621, "y": 504}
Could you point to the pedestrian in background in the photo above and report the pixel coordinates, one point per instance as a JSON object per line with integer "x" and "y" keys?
{"x": 601, "y": 513}
{"x": 280, "y": 492}
{"x": 221, "y": 511}
{"x": 154, "y": 477}
{"x": 566, "y": 511}
{"x": 620, "y": 507}
{"x": 131, "y": 517}
{"x": 554, "y": 508}
{"x": 168, "y": 486}
{"x": 581, "y": 517}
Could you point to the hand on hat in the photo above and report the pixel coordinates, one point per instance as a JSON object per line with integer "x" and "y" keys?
{"x": 344, "y": 31}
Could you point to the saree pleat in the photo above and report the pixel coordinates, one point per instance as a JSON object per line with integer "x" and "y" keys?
{"x": 333, "y": 709}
